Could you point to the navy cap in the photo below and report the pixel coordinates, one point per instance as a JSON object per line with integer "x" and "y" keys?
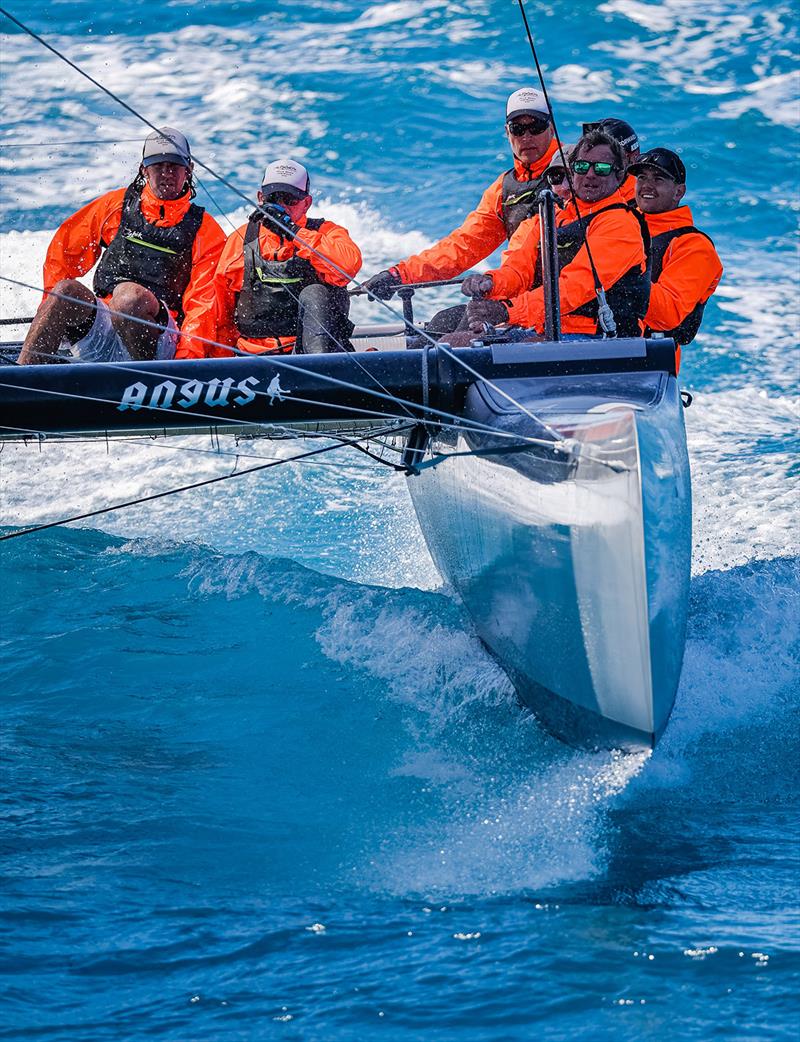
{"x": 662, "y": 159}
{"x": 618, "y": 129}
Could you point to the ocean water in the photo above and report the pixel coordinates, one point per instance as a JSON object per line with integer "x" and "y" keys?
{"x": 259, "y": 778}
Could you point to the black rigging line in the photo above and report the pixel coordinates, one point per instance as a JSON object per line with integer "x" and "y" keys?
{"x": 431, "y": 413}
{"x": 341, "y": 443}
{"x": 198, "y": 162}
{"x": 598, "y": 285}
{"x": 238, "y": 192}
{"x": 68, "y": 141}
{"x": 325, "y": 328}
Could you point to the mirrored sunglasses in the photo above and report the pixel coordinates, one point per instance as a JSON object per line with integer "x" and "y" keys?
{"x": 583, "y": 166}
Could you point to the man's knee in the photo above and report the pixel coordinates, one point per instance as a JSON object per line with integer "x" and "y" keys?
{"x": 69, "y": 308}
{"x": 67, "y": 295}
{"x": 129, "y": 298}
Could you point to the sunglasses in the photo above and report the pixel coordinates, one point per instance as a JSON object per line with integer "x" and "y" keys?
{"x": 281, "y": 198}
{"x": 555, "y": 177}
{"x": 583, "y": 166}
{"x": 532, "y": 126}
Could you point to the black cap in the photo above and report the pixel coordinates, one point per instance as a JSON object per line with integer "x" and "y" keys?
{"x": 662, "y": 159}
{"x": 618, "y": 129}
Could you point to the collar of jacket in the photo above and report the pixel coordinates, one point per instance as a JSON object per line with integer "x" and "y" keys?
{"x": 680, "y": 217}
{"x": 531, "y": 173}
{"x": 164, "y": 212}
{"x": 584, "y": 209}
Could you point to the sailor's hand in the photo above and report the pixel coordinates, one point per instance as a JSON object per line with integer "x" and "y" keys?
{"x": 482, "y": 313}
{"x": 477, "y": 285}
{"x": 278, "y": 219}
{"x": 383, "y": 285}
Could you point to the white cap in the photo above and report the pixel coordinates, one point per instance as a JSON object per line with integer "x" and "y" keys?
{"x": 284, "y": 175}
{"x": 526, "y": 100}
{"x": 166, "y": 146}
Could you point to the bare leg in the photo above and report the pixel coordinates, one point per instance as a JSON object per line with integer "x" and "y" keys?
{"x": 58, "y": 319}
{"x": 129, "y": 298}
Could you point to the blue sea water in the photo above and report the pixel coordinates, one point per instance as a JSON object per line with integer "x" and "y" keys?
{"x": 259, "y": 778}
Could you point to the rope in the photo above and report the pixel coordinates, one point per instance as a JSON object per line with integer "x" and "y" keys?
{"x": 225, "y": 181}
{"x": 341, "y": 443}
{"x": 68, "y": 141}
{"x": 296, "y": 297}
{"x": 598, "y": 286}
{"x": 459, "y": 421}
{"x": 563, "y": 444}
{"x": 237, "y": 453}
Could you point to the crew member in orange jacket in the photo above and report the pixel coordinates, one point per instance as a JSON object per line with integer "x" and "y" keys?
{"x": 629, "y": 139}
{"x": 685, "y": 267}
{"x": 509, "y": 200}
{"x": 616, "y": 239}
{"x": 157, "y": 251}
{"x": 280, "y": 282}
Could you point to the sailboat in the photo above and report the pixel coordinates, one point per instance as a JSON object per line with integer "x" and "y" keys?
{"x": 550, "y": 479}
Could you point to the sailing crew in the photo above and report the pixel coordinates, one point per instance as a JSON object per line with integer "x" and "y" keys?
{"x": 280, "y": 285}
{"x": 617, "y": 238}
{"x": 509, "y": 200}
{"x": 158, "y": 251}
{"x": 685, "y": 266}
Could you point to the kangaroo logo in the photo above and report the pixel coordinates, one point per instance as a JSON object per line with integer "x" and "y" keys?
{"x": 276, "y": 391}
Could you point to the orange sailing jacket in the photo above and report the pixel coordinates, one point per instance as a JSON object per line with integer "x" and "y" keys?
{"x": 329, "y": 241}
{"x": 77, "y": 246}
{"x": 690, "y": 271}
{"x": 615, "y": 240}
{"x": 628, "y": 189}
{"x": 481, "y": 233}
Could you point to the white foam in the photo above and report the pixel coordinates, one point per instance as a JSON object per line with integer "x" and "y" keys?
{"x": 497, "y": 834}
{"x": 579, "y": 83}
{"x": 658, "y": 17}
{"x": 692, "y": 45}
{"x": 775, "y": 97}
{"x": 745, "y": 492}
{"x": 378, "y": 15}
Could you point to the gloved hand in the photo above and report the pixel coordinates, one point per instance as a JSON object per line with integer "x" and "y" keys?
{"x": 477, "y": 285}
{"x": 278, "y": 219}
{"x": 383, "y": 285}
{"x": 485, "y": 312}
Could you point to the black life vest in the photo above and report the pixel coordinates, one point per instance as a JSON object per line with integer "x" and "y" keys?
{"x": 686, "y": 331}
{"x": 518, "y": 200}
{"x": 630, "y": 294}
{"x": 268, "y": 305}
{"x": 160, "y": 259}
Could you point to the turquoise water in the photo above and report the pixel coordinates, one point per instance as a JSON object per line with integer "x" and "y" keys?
{"x": 259, "y": 778}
